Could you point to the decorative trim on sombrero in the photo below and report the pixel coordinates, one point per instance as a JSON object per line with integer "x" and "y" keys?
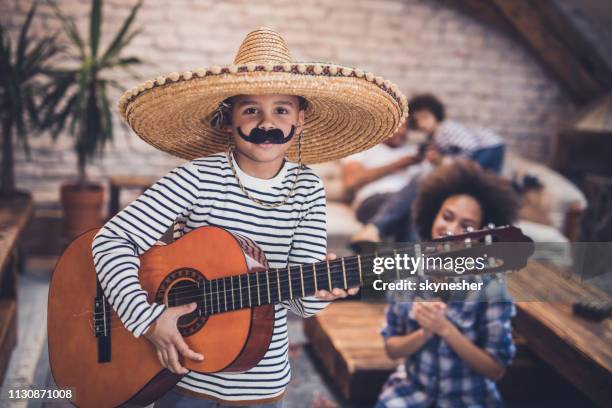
{"x": 293, "y": 68}
{"x": 349, "y": 110}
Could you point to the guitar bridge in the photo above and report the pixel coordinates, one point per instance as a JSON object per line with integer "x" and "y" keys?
{"x": 102, "y": 328}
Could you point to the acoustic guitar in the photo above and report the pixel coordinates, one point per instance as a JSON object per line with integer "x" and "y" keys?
{"x": 227, "y": 274}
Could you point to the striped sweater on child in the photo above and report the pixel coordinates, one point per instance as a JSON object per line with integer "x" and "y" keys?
{"x": 203, "y": 192}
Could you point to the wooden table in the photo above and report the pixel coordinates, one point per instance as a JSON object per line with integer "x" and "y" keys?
{"x": 580, "y": 349}
{"x": 14, "y": 215}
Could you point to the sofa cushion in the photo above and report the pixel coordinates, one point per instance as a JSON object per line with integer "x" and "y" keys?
{"x": 558, "y": 194}
{"x": 341, "y": 219}
{"x": 553, "y": 245}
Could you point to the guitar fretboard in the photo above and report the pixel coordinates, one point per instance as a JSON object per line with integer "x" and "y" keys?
{"x": 279, "y": 284}
{"x": 275, "y": 285}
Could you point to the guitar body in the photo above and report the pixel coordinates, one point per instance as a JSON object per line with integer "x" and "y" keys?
{"x": 230, "y": 342}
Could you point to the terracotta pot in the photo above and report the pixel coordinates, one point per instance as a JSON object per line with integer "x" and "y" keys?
{"x": 82, "y": 207}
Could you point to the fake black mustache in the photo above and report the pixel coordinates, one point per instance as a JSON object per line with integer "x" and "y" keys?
{"x": 259, "y": 136}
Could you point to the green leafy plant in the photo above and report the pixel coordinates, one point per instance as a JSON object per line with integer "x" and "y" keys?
{"x": 78, "y": 98}
{"x": 21, "y": 69}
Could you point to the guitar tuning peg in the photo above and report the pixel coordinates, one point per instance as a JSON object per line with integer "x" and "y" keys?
{"x": 468, "y": 242}
{"x": 491, "y": 225}
{"x": 488, "y": 239}
{"x": 492, "y": 262}
{"x": 469, "y": 229}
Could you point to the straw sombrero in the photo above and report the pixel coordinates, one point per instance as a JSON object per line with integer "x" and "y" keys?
{"x": 349, "y": 110}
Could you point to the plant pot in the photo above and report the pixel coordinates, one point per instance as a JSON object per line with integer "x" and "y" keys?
{"x": 82, "y": 207}
{"x": 17, "y": 195}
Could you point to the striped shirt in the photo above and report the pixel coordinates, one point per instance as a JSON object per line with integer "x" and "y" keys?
{"x": 463, "y": 139}
{"x": 203, "y": 192}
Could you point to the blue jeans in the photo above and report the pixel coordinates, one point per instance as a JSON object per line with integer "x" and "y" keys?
{"x": 175, "y": 399}
{"x": 393, "y": 217}
{"x": 490, "y": 158}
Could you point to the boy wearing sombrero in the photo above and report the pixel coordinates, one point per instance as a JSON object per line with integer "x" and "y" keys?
{"x": 242, "y": 127}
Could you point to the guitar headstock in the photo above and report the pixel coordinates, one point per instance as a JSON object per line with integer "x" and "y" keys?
{"x": 507, "y": 233}
{"x": 505, "y": 248}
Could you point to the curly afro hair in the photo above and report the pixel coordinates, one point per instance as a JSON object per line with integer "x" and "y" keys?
{"x": 495, "y": 195}
{"x": 426, "y": 102}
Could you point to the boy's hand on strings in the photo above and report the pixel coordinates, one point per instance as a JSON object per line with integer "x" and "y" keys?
{"x": 336, "y": 292}
{"x": 431, "y": 316}
{"x": 168, "y": 341}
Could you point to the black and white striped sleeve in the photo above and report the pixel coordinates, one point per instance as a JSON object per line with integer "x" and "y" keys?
{"x": 309, "y": 245}
{"x": 119, "y": 243}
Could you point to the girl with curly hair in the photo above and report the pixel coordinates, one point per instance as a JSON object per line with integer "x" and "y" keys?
{"x": 454, "y": 348}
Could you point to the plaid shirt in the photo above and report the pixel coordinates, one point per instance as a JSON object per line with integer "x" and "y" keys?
{"x": 435, "y": 375}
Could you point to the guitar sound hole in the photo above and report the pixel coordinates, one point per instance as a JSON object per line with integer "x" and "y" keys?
{"x": 181, "y": 293}
{"x": 180, "y": 287}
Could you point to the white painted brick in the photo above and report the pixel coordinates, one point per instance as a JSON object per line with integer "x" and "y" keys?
{"x": 482, "y": 75}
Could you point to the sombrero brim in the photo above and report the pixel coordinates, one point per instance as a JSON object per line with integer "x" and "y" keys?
{"x": 349, "y": 111}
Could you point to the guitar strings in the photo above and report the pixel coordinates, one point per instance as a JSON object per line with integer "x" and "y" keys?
{"x": 294, "y": 269}
{"x": 352, "y": 258}
{"x": 116, "y": 323}
{"x": 99, "y": 316}
{"x": 349, "y": 259}
{"x": 262, "y": 286}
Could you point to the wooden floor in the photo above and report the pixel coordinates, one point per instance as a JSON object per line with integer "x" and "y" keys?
{"x": 23, "y": 370}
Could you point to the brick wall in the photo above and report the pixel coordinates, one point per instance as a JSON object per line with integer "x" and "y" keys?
{"x": 483, "y": 75}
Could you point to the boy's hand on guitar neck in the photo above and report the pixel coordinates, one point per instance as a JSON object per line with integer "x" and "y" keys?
{"x": 336, "y": 292}
{"x": 166, "y": 338}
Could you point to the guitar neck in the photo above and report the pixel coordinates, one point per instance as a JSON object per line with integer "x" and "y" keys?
{"x": 276, "y": 285}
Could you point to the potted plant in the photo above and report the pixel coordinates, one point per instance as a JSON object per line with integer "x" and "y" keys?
{"x": 79, "y": 102}
{"x": 20, "y": 89}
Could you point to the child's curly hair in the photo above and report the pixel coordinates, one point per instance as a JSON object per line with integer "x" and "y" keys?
{"x": 495, "y": 195}
{"x": 222, "y": 116}
{"x": 425, "y": 102}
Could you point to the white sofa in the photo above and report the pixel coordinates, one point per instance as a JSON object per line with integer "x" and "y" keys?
{"x": 558, "y": 200}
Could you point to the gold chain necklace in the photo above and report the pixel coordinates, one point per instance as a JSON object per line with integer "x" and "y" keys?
{"x": 229, "y": 154}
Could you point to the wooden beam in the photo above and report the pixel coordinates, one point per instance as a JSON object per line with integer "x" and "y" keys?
{"x": 483, "y": 11}
{"x": 582, "y": 48}
{"x": 557, "y": 45}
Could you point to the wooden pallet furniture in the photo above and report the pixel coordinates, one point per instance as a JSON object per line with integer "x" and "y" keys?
{"x": 579, "y": 349}
{"x": 345, "y": 338}
{"x": 14, "y": 215}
